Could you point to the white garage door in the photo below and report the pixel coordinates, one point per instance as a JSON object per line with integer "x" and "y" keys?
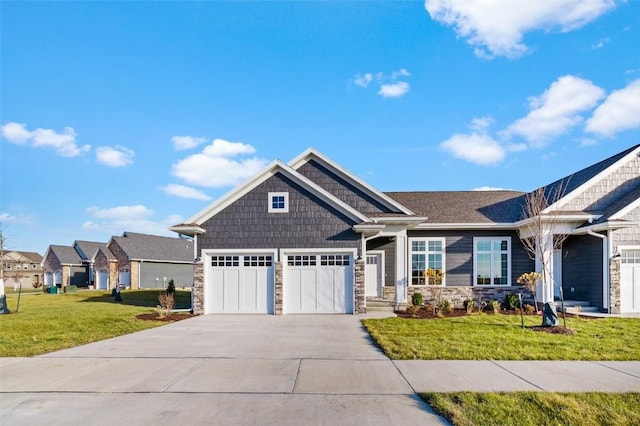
{"x": 318, "y": 283}
{"x": 238, "y": 283}
{"x": 630, "y": 281}
{"x": 102, "y": 280}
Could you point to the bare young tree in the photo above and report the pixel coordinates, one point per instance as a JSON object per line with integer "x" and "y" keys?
{"x": 541, "y": 232}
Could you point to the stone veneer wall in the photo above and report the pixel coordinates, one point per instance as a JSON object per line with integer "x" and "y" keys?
{"x": 614, "y": 286}
{"x": 278, "y": 289}
{"x": 360, "y": 304}
{"x": 198, "y": 288}
{"x": 457, "y": 295}
{"x": 134, "y": 275}
{"x": 389, "y": 293}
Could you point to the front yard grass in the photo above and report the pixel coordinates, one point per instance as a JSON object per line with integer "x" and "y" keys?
{"x": 500, "y": 337}
{"x": 536, "y": 408}
{"x": 50, "y": 322}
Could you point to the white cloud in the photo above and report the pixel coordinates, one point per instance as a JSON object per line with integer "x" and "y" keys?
{"x": 600, "y": 43}
{"x": 496, "y": 27}
{"x": 63, "y": 143}
{"x": 117, "y": 156}
{"x": 216, "y": 167}
{"x": 185, "y": 192}
{"x": 363, "y": 80}
{"x": 22, "y": 219}
{"x": 475, "y": 148}
{"x": 186, "y": 142}
{"x": 619, "y": 112}
{"x": 15, "y": 132}
{"x": 556, "y": 110}
{"x": 489, "y": 188}
{"x": 137, "y": 218}
{"x": 394, "y": 90}
{"x": 389, "y": 85}
{"x": 402, "y": 72}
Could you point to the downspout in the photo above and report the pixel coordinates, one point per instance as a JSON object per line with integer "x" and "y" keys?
{"x": 605, "y": 267}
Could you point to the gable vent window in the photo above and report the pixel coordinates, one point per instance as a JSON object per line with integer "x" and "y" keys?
{"x": 278, "y": 202}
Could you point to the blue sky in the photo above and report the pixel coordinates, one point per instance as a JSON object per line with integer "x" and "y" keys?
{"x": 133, "y": 116}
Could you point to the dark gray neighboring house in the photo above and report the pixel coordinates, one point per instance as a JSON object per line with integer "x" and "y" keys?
{"x": 308, "y": 236}
{"x": 151, "y": 261}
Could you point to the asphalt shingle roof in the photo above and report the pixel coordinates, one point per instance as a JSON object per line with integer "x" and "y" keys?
{"x": 88, "y": 248}
{"x": 464, "y": 206}
{"x": 154, "y": 247}
{"x": 67, "y": 255}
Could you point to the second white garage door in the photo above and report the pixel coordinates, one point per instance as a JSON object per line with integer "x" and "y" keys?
{"x": 318, "y": 283}
{"x": 630, "y": 282}
{"x": 239, "y": 283}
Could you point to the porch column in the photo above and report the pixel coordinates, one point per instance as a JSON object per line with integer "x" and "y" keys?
{"x": 401, "y": 267}
{"x": 544, "y": 265}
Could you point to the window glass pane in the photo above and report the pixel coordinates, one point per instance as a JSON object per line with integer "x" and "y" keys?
{"x": 483, "y": 245}
{"x": 417, "y": 245}
{"x": 483, "y": 269}
{"x": 435, "y": 245}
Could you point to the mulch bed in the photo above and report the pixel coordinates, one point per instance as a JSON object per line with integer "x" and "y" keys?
{"x": 427, "y": 313}
{"x": 169, "y": 318}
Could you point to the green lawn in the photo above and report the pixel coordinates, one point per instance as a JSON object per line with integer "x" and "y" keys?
{"x": 500, "y": 337}
{"x": 536, "y": 408}
{"x": 49, "y": 322}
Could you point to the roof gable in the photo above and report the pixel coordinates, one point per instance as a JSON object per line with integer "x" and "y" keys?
{"x": 66, "y": 255}
{"x": 271, "y": 170}
{"x": 312, "y": 155}
{"x": 155, "y": 248}
{"x": 87, "y": 249}
{"x": 575, "y": 184}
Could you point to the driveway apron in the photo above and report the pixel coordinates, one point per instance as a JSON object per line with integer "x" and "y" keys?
{"x": 217, "y": 369}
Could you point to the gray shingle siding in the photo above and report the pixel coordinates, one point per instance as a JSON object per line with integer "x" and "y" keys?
{"x": 582, "y": 269}
{"x": 627, "y": 236}
{"x": 342, "y": 189}
{"x": 310, "y": 222}
{"x": 459, "y": 254}
{"x": 182, "y": 275}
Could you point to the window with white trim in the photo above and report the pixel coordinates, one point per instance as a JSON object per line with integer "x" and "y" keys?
{"x": 278, "y": 202}
{"x": 427, "y": 261}
{"x": 630, "y": 256}
{"x": 492, "y": 260}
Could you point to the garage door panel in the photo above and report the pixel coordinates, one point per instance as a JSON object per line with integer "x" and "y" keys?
{"x": 318, "y": 284}
{"x": 630, "y": 288}
{"x": 240, "y": 284}
{"x": 308, "y": 291}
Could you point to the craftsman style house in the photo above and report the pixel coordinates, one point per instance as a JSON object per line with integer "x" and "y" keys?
{"x": 308, "y": 236}
{"x": 22, "y": 268}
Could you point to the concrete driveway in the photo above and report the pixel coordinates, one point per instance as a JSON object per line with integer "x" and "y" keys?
{"x": 236, "y": 370}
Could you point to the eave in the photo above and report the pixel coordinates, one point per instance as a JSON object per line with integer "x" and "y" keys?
{"x": 188, "y": 229}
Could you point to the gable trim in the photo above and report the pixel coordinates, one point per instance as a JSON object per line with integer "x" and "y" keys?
{"x": 381, "y": 197}
{"x": 589, "y": 183}
{"x": 625, "y": 210}
{"x": 271, "y": 170}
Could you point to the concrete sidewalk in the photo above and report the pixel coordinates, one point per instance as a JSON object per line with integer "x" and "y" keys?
{"x": 264, "y": 370}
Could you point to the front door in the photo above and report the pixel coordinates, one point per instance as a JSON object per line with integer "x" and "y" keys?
{"x": 373, "y": 275}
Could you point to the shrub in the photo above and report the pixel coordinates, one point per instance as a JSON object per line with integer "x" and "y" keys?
{"x": 417, "y": 299}
{"x": 529, "y": 309}
{"x": 445, "y": 306}
{"x": 469, "y": 305}
{"x": 511, "y": 301}
{"x": 166, "y": 301}
{"x": 493, "y": 305}
{"x": 171, "y": 288}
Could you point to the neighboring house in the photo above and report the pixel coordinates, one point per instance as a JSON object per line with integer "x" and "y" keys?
{"x": 22, "y": 268}
{"x": 311, "y": 237}
{"x": 63, "y": 266}
{"x": 151, "y": 261}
